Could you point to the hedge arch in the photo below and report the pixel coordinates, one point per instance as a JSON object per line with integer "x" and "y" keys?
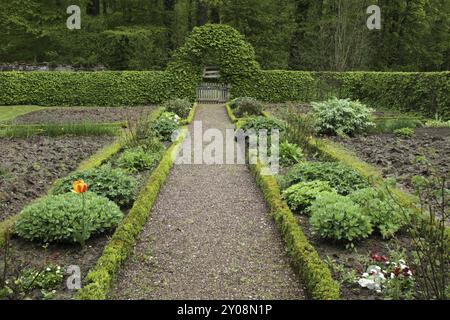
{"x": 213, "y": 44}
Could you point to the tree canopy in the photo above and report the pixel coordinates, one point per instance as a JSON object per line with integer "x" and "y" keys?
{"x": 286, "y": 34}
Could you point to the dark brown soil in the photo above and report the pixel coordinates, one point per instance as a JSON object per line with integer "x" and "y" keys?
{"x": 83, "y": 114}
{"x": 396, "y": 156}
{"x": 29, "y": 166}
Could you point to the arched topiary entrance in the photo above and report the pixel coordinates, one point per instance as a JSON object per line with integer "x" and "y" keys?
{"x": 212, "y": 44}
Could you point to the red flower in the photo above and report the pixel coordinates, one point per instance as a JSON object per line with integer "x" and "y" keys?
{"x": 378, "y": 258}
{"x": 397, "y": 272}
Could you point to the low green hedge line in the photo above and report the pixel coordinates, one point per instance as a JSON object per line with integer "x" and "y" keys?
{"x": 123, "y": 241}
{"x": 305, "y": 259}
{"x": 426, "y": 93}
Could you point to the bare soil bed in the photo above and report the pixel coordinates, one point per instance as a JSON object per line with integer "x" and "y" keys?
{"x": 29, "y": 166}
{"x": 83, "y": 114}
{"x": 396, "y": 157}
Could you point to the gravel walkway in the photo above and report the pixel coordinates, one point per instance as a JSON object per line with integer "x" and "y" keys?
{"x": 209, "y": 237}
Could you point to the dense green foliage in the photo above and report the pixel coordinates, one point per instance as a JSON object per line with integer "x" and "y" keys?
{"x": 138, "y": 159}
{"x": 341, "y": 116}
{"x": 114, "y": 184}
{"x": 340, "y": 177}
{"x": 84, "y": 88}
{"x": 384, "y": 213}
{"x": 180, "y": 107}
{"x": 300, "y": 196}
{"x": 263, "y": 123}
{"x": 290, "y": 154}
{"x": 245, "y": 106}
{"x": 337, "y": 217}
{"x": 141, "y": 34}
{"x": 166, "y": 125}
{"x": 58, "y": 218}
{"x": 404, "y": 132}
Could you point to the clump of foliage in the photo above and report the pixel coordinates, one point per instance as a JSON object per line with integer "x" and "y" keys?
{"x": 114, "y": 184}
{"x": 245, "y": 107}
{"x": 166, "y": 125}
{"x": 438, "y": 122}
{"x": 337, "y": 217}
{"x": 59, "y": 218}
{"x": 404, "y": 132}
{"x": 263, "y": 123}
{"x": 47, "y": 279}
{"x": 342, "y": 116}
{"x": 290, "y": 154}
{"x": 180, "y": 107}
{"x": 340, "y": 177}
{"x": 300, "y": 196}
{"x": 386, "y": 216}
{"x": 138, "y": 159}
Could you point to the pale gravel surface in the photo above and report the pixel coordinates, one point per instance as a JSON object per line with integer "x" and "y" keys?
{"x": 210, "y": 236}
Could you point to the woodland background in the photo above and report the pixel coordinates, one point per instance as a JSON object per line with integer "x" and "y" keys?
{"x": 286, "y": 34}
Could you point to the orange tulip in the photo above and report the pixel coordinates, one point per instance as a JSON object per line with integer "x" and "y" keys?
{"x": 79, "y": 186}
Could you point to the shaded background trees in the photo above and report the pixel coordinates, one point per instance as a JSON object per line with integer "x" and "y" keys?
{"x": 294, "y": 34}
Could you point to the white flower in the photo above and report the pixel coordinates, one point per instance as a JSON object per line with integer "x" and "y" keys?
{"x": 48, "y": 269}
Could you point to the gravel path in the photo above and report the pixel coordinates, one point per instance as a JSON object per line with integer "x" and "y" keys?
{"x": 209, "y": 237}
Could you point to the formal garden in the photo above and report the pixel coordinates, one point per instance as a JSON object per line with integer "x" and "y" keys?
{"x": 359, "y": 209}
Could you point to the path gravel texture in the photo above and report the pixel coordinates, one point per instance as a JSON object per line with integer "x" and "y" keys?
{"x": 210, "y": 236}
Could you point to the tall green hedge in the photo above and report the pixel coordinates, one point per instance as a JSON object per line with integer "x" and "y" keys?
{"x": 84, "y": 88}
{"x": 426, "y": 93}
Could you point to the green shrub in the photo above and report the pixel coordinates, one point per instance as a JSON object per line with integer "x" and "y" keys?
{"x": 337, "y": 217}
{"x": 166, "y": 125}
{"x": 386, "y": 215}
{"x": 138, "y": 159}
{"x": 404, "y": 132}
{"x": 245, "y": 107}
{"x": 152, "y": 145}
{"x": 339, "y": 176}
{"x": 263, "y": 123}
{"x": 300, "y": 196}
{"x": 180, "y": 107}
{"x": 341, "y": 116}
{"x": 114, "y": 184}
{"x": 290, "y": 154}
{"x": 58, "y": 218}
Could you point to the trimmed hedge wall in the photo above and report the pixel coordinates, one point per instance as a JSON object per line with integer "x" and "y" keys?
{"x": 84, "y": 88}
{"x": 425, "y": 93}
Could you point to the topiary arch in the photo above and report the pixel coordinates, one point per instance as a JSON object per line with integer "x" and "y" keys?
{"x": 213, "y": 44}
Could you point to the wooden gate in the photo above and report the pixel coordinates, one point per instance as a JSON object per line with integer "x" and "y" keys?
{"x": 213, "y": 93}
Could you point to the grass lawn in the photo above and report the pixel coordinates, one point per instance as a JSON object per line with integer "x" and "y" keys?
{"x": 10, "y": 112}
